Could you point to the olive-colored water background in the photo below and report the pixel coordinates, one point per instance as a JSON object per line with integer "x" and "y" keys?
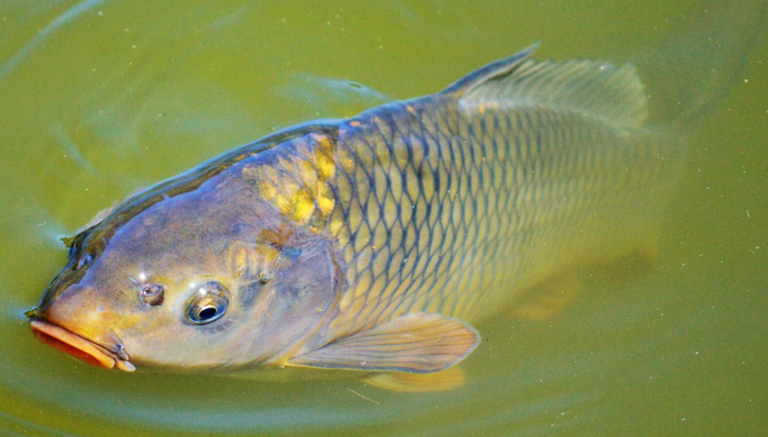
{"x": 98, "y": 98}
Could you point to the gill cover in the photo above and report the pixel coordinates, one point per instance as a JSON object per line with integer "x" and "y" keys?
{"x": 300, "y": 296}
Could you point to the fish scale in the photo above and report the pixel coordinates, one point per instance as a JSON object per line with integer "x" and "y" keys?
{"x": 371, "y": 243}
{"x": 506, "y": 181}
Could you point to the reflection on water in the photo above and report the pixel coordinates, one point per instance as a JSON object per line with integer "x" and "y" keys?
{"x": 99, "y": 98}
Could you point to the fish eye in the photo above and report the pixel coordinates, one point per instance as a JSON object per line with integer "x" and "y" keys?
{"x": 208, "y": 304}
{"x": 153, "y": 294}
{"x": 84, "y": 260}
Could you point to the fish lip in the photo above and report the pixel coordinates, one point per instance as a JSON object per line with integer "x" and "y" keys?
{"x": 80, "y": 347}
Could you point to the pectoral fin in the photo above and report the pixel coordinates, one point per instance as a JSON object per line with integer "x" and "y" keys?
{"x": 416, "y": 342}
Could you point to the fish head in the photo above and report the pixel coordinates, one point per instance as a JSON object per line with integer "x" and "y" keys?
{"x": 211, "y": 278}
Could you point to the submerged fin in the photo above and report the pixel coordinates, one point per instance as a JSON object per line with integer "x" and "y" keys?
{"x": 415, "y": 342}
{"x": 701, "y": 61}
{"x": 598, "y": 88}
{"x": 418, "y": 382}
{"x": 548, "y": 298}
{"x": 633, "y": 265}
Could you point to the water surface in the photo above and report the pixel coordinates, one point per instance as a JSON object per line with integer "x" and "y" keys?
{"x": 98, "y": 98}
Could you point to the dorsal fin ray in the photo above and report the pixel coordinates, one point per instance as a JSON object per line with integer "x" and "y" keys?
{"x": 598, "y": 88}
{"x": 494, "y": 70}
{"x": 413, "y": 342}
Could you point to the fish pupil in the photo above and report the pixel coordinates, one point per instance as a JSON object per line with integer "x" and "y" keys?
{"x": 207, "y": 313}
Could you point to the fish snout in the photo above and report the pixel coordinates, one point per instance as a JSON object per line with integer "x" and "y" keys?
{"x": 76, "y": 322}
{"x": 79, "y": 309}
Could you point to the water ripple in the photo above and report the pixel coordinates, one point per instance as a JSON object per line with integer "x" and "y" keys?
{"x": 47, "y": 32}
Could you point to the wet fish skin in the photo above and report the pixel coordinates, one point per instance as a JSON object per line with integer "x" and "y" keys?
{"x": 458, "y": 210}
{"x": 371, "y": 243}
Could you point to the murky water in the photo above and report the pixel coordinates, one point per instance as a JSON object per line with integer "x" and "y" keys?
{"x": 100, "y": 97}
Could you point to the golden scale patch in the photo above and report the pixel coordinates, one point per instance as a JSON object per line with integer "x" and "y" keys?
{"x": 296, "y": 184}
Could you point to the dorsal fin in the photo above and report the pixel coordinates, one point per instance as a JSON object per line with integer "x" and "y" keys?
{"x": 494, "y": 70}
{"x": 598, "y": 88}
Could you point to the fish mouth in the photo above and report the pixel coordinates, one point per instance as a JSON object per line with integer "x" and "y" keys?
{"x": 79, "y": 347}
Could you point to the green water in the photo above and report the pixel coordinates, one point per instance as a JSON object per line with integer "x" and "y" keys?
{"x": 98, "y": 98}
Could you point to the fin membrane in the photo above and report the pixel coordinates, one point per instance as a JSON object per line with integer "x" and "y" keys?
{"x": 418, "y": 382}
{"x": 599, "y": 88}
{"x": 633, "y": 265}
{"x": 415, "y": 342}
{"x": 548, "y": 298}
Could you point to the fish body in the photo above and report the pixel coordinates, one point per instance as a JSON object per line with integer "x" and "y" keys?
{"x": 372, "y": 243}
{"x": 457, "y": 207}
